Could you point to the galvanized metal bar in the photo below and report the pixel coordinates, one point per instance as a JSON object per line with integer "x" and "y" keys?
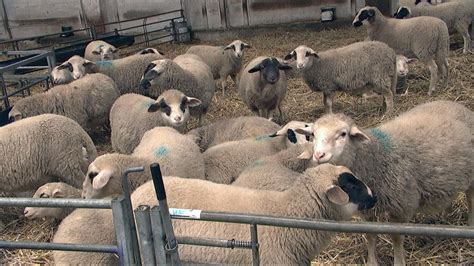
{"x": 25, "y": 87}
{"x": 38, "y": 36}
{"x": 255, "y": 245}
{"x": 23, "y": 62}
{"x": 172, "y": 245}
{"x": 339, "y": 226}
{"x": 49, "y": 202}
{"x": 128, "y": 20}
{"x": 123, "y": 231}
{"x": 4, "y": 91}
{"x": 59, "y": 246}
{"x": 26, "y": 52}
{"x": 214, "y": 242}
{"x": 158, "y": 235}
{"x": 142, "y": 217}
{"x": 129, "y": 210}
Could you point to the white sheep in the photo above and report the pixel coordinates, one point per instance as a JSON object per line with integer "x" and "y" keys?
{"x": 86, "y": 226}
{"x": 187, "y": 73}
{"x": 350, "y": 69}
{"x": 325, "y": 192}
{"x": 87, "y": 101}
{"x": 231, "y": 129}
{"x": 60, "y": 75}
{"x": 262, "y": 85}
{"x": 52, "y": 190}
{"x": 126, "y": 72}
{"x": 224, "y": 162}
{"x": 425, "y": 38}
{"x": 417, "y": 162}
{"x": 133, "y": 114}
{"x": 176, "y": 154}
{"x": 39, "y": 149}
{"x": 224, "y": 61}
{"x": 457, "y": 15}
{"x": 100, "y": 50}
{"x": 150, "y": 51}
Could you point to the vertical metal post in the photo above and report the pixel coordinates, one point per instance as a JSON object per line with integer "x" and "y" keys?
{"x": 158, "y": 236}
{"x": 4, "y": 91}
{"x": 142, "y": 216}
{"x": 172, "y": 244}
{"x": 122, "y": 231}
{"x": 129, "y": 211}
{"x": 145, "y": 32}
{"x": 255, "y": 245}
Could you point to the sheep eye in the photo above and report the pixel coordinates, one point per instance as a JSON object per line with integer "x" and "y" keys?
{"x": 92, "y": 175}
{"x": 307, "y": 138}
{"x": 343, "y": 134}
{"x": 44, "y": 195}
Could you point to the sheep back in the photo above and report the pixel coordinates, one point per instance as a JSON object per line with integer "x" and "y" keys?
{"x": 221, "y": 62}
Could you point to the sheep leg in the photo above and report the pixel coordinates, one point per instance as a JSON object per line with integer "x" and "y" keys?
{"x": 280, "y": 112}
{"x": 398, "y": 249}
{"x": 470, "y": 205}
{"x": 466, "y": 37}
{"x": 327, "y": 98}
{"x": 223, "y": 84}
{"x": 371, "y": 249}
{"x": 388, "y": 100}
{"x": 434, "y": 76}
{"x": 443, "y": 69}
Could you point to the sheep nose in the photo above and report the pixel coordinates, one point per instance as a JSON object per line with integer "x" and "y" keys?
{"x": 177, "y": 118}
{"x": 300, "y": 66}
{"x": 319, "y": 155}
{"x": 145, "y": 84}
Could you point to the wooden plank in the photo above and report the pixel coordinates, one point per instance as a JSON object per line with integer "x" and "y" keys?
{"x": 196, "y": 14}
{"x": 235, "y": 13}
{"x": 214, "y": 18}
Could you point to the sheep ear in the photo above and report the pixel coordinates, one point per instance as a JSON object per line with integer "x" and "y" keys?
{"x": 255, "y": 68}
{"x": 101, "y": 179}
{"x": 308, "y": 131}
{"x": 411, "y": 60}
{"x": 230, "y": 46}
{"x": 306, "y": 155}
{"x": 65, "y": 65}
{"x": 284, "y": 67}
{"x": 358, "y": 135}
{"x": 336, "y": 195}
{"x": 193, "y": 102}
{"x": 97, "y": 50}
{"x": 290, "y": 55}
{"x": 370, "y": 13}
{"x": 154, "y": 107}
{"x": 114, "y": 50}
{"x": 57, "y": 193}
{"x": 312, "y": 53}
{"x": 246, "y": 45}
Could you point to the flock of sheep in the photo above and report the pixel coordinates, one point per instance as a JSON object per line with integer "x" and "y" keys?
{"x": 331, "y": 168}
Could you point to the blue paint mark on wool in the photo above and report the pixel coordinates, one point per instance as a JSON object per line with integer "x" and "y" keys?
{"x": 263, "y": 138}
{"x": 383, "y": 138}
{"x": 104, "y": 63}
{"x": 161, "y": 151}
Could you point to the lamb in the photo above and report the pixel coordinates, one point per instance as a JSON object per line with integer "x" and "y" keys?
{"x": 350, "y": 69}
{"x": 133, "y": 114}
{"x": 402, "y": 72}
{"x": 82, "y": 226}
{"x": 231, "y": 129}
{"x": 406, "y": 180}
{"x": 87, "y": 101}
{"x": 223, "y": 60}
{"x": 224, "y": 162}
{"x": 187, "y": 73}
{"x": 100, "y": 50}
{"x": 425, "y": 38}
{"x": 176, "y": 154}
{"x": 59, "y": 75}
{"x": 262, "y": 85}
{"x": 52, "y": 190}
{"x": 39, "y": 149}
{"x": 126, "y": 72}
{"x": 325, "y": 192}
{"x": 457, "y": 15}
{"x": 279, "y": 171}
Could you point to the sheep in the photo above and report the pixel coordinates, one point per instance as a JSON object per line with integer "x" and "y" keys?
{"x": 40, "y": 149}
{"x": 126, "y": 72}
{"x": 279, "y": 171}
{"x": 82, "y": 226}
{"x": 133, "y": 114}
{"x": 87, "y": 101}
{"x": 262, "y": 85}
{"x": 100, "y": 50}
{"x": 231, "y": 129}
{"x": 224, "y": 61}
{"x": 425, "y": 38}
{"x": 150, "y": 51}
{"x": 325, "y": 192}
{"x": 52, "y": 190}
{"x": 457, "y": 15}
{"x": 402, "y": 72}
{"x": 187, "y": 73}
{"x": 224, "y": 162}
{"x": 417, "y": 162}
{"x": 176, "y": 154}
{"x": 60, "y": 76}
{"x": 350, "y": 69}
